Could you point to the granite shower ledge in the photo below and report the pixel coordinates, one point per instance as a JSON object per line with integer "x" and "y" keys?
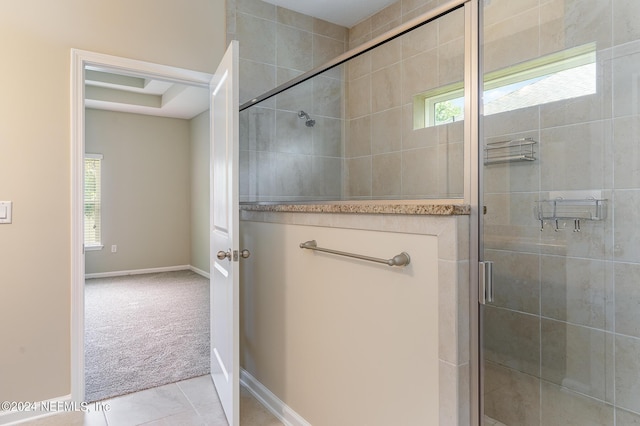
{"x": 361, "y": 208}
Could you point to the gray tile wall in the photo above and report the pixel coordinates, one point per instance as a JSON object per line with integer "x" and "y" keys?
{"x": 385, "y": 157}
{"x": 562, "y": 339}
{"x": 280, "y": 158}
{"x": 363, "y": 145}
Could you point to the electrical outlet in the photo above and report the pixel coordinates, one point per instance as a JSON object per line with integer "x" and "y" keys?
{"x": 114, "y": 248}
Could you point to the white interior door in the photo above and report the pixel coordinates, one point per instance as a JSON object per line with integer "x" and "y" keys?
{"x": 224, "y": 235}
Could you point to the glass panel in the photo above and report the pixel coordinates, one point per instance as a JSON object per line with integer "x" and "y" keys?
{"x": 358, "y": 131}
{"x": 561, "y": 340}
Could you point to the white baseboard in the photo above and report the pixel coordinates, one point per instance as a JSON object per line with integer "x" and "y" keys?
{"x": 200, "y": 272}
{"x": 138, "y": 271}
{"x": 271, "y": 402}
{"x": 8, "y": 418}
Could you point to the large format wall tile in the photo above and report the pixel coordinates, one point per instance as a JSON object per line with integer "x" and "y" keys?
{"x": 420, "y": 40}
{"x": 627, "y": 296}
{"x": 511, "y": 397}
{"x": 516, "y": 280}
{"x": 294, "y": 48}
{"x": 577, "y": 290}
{"x": 385, "y": 93}
{"x": 419, "y": 74}
{"x": 327, "y": 96}
{"x": 512, "y": 339}
{"x": 358, "y": 142}
{"x": 299, "y": 97}
{"x": 450, "y": 170}
{"x": 626, "y": 233}
{"x": 627, "y": 377}
{"x": 358, "y": 174}
{"x": 451, "y": 62}
{"x": 569, "y": 23}
{"x": 292, "y": 136}
{"x": 260, "y": 9}
{"x": 578, "y": 358}
{"x": 359, "y": 97}
{"x": 327, "y": 137}
{"x": 326, "y": 177}
{"x": 294, "y": 19}
{"x": 627, "y": 418}
{"x": 329, "y": 29}
{"x": 260, "y": 78}
{"x": 625, "y": 84}
{"x": 386, "y": 175}
{"x": 257, "y": 38}
{"x": 625, "y": 28}
{"x": 561, "y": 407}
{"x": 574, "y": 156}
{"x": 501, "y": 10}
{"x": 508, "y": 42}
{"x": 626, "y": 152}
{"x": 386, "y": 55}
{"x": 293, "y": 175}
{"x": 419, "y": 172}
{"x": 386, "y": 132}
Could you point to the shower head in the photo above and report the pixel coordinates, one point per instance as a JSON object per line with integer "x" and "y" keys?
{"x": 309, "y": 122}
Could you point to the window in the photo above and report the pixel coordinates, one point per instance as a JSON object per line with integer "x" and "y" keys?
{"x": 563, "y": 75}
{"x": 92, "y": 202}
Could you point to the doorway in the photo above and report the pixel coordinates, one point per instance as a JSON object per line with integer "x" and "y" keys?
{"x": 82, "y": 63}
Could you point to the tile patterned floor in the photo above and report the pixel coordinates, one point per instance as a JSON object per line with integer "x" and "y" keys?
{"x": 192, "y": 402}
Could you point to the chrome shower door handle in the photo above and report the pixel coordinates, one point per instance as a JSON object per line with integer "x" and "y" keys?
{"x": 222, "y": 255}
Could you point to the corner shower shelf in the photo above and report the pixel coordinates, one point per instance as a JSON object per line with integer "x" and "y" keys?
{"x": 575, "y": 210}
{"x": 509, "y": 151}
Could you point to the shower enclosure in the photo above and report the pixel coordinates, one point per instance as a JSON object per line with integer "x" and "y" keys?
{"x": 562, "y": 191}
{"x": 371, "y": 127}
{"x": 552, "y": 174}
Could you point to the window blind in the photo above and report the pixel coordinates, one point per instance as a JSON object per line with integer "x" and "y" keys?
{"x": 92, "y": 200}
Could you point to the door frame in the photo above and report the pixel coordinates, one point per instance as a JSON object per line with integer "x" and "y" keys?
{"x": 79, "y": 60}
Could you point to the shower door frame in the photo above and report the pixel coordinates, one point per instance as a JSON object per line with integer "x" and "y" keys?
{"x": 473, "y": 196}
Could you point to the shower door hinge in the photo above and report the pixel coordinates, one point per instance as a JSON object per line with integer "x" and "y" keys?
{"x": 485, "y": 281}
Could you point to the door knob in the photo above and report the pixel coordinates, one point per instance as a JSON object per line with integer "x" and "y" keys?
{"x": 245, "y": 254}
{"x": 222, "y": 255}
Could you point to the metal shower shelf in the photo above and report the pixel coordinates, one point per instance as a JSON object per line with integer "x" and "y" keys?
{"x": 575, "y": 210}
{"x": 509, "y": 151}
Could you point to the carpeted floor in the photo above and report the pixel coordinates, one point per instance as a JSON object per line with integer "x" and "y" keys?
{"x": 143, "y": 331}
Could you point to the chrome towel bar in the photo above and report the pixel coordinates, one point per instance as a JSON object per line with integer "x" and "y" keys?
{"x": 401, "y": 259}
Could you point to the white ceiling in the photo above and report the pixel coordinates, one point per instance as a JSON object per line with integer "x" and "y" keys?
{"x": 342, "y": 12}
{"x": 116, "y": 92}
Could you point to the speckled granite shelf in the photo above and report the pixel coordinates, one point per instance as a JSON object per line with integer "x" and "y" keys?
{"x": 408, "y": 209}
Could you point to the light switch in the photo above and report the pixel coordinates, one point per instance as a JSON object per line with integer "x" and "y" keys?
{"x": 5, "y": 211}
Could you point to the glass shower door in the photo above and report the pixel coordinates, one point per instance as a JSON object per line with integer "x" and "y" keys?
{"x": 561, "y": 185}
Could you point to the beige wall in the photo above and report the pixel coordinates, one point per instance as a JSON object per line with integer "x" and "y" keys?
{"x": 146, "y": 197}
{"x": 199, "y": 134}
{"x": 35, "y": 42}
